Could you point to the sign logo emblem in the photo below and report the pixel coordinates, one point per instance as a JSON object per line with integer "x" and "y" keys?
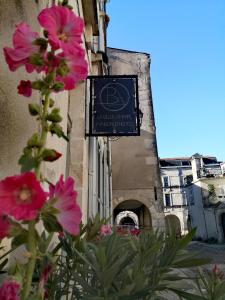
{"x": 114, "y": 97}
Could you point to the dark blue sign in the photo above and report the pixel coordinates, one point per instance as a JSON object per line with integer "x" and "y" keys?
{"x": 114, "y": 109}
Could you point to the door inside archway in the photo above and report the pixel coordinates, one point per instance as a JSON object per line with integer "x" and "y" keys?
{"x": 173, "y": 225}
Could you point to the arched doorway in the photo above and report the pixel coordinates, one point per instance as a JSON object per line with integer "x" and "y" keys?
{"x": 138, "y": 214}
{"x": 173, "y": 225}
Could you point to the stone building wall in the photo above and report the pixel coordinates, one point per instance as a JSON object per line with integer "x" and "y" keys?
{"x": 135, "y": 164}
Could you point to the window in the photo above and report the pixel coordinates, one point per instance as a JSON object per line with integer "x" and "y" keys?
{"x": 167, "y": 200}
{"x": 186, "y": 163}
{"x": 165, "y": 181}
{"x": 155, "y": 193}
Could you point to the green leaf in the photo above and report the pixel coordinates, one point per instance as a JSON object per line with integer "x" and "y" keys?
{"x": 220, "y": 290}
{"x": 27, "y": 161}
{"x": 50, "y": 223}
{"x": 20, "y": 239}
{"x": 188, "y": 296}
{"x": 3, "y": 264}
{"x": 55, "y": 128}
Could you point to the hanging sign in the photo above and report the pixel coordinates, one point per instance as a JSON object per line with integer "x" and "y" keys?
{"x": 113, "y": 106}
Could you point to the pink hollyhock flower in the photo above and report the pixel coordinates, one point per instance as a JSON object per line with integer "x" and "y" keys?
{"x": 24, "y": 88}
{"x": 24, "y": 47}
{"x": 9, "y": 290}
{"x": 21, "y": 196}
{"x": 63, "y": 26}
{"x": 105, "y": 230}
{"x": 69, "y": 216}
{"x": 76, "y": 65}
{"x": 4, "y": 226}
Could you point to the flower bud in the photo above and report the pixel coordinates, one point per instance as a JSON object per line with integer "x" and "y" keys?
{"x": 37, "y": 85}
{"x": 42, "y": 43}
{"x": 50, "y": 155}
{"x": 51, "y": 102}
{"x": 34, "y": 109}
{"x": 24, "y": 88}
{"x": 54, "y": 116}
{"x": 57, "y": 87}
{"x": 34, "y": 141}
{"x": 36, "y": 59}
{"x": 63, "y": 70}
{"x": 49, "y": 78}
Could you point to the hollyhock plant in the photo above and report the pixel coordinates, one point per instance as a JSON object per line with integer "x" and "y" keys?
{"x": 61, "y": 59}
{"x": 21, "y": 196}
{"x": 24, "y": 88}
{"x": 64, "y": 28}
{"x": 75, "y": 66}
{"x": 9, "y": 290}
{"x": 4, "y": 226}
{"x": 69, "y": 213}
{"x": 24, "y": 47}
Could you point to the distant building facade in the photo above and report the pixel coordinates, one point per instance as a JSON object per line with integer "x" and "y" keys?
{"x": 188, "y": 183}
{"x": 135, "y": 170}
{"x": 175, "y": 172}
{"x": 207, "y": 210}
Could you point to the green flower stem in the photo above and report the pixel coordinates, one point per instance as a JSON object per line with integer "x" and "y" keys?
{"x": 31, "y": 245}
{"x": 32, "y": 260}
{"x": 44, "y": 132}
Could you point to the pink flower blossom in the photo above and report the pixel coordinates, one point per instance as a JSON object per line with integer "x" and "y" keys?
{"x": 24, "y": 47}
{"x": 9, "y": 290}
{"x": 69, "y": 216}
{"x": 24, "y": 88}
{"x": 21, "y": 196}
{"x": 4, "y": 226}
{"x": 105, "y": 230}
{"x": 63, "y": 26}
{"x": 76, "y": 65}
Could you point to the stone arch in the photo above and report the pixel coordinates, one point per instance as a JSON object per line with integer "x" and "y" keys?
{"x": 173, "y": 225}
{"x": 136, "y": 207}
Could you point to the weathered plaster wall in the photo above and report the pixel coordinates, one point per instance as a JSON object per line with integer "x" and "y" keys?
{"x": 15, "y": 123}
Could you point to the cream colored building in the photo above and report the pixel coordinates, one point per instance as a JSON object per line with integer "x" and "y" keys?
{"x": 136, "y": 179}
{"x": 85, "y": 159}
{"x": 208, "y": 212}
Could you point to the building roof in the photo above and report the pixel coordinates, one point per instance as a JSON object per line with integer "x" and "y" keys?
{"x": 176, "y": 158}
{"x": 186, "y": 157}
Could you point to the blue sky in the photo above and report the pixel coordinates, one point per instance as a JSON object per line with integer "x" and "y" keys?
{"x": 186, "y": 41}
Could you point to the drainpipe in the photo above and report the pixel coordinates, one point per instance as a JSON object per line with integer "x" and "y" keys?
{"x": 217, "y": 230}
{"x": 204, "y": 215}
